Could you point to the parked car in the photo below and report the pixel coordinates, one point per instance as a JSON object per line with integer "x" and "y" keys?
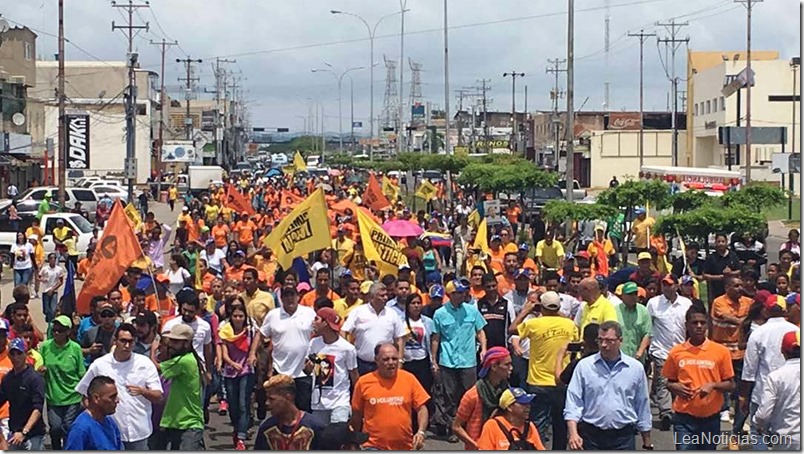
{"x": 87, "y": 197}
{"x": 115, "y": 192}
{"x": 82, "y": 227}
{"x": 104, "y": 183}
{"x": 578, "y": 193}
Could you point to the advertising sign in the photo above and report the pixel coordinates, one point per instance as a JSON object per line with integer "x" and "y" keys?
{"x": 178, "y": 151}
{"x": 623, "y": 121}
{"x": 77, "y": 141}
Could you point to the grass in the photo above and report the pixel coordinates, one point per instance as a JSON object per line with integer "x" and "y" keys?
{"x": 779, "y": 213}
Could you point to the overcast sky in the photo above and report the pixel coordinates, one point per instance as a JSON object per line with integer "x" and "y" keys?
{"x": 277, "y": 42}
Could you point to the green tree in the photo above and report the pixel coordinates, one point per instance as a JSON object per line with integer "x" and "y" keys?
{"x": 690, "y": 200}
{"x": 515, "y": 176}
{"x": 699, "y": 223}
{"x": 756, "y": 196}
{"x": 557, "y": 211}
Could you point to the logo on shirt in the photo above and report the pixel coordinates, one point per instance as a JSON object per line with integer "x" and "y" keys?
{"x": 324, "y": 371}
{"x": 701, "y": 363}
{"x": 394, "y": 401}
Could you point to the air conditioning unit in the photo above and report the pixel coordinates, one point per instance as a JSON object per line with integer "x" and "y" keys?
{"x": 17, "y": 80}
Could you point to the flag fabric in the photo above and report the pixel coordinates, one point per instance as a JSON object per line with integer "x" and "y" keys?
{"x": 67, "y": 302}
{"x": 133, "y": 216}
{"x": 374, "y": 197}
{"x": 301, "y": 270}
{"x": 117, "y": 249}
{"x": 389, "y": 189}
{"x": 474, "y": 218}
{"x": 238, "y": 202}
{"x": 481, "y": 239}
{"x": 298, "y": 163}
{"x": 303, "y": 230}
{"x": 379, "y": 246}
{"x": 426, "y": 191}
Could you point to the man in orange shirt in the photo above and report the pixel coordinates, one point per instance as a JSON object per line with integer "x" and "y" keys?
{"x": 496, "y": 254}
{"x": 322, "y": 289}
{"x": 513, "y": 213}
{"x": 220, "y": 233}
{"x": 525, "y": 261}
{"x": 699, "y": 374}
{"x": 245, "y": 229}
{"x": 384, "y": 401}
{"x": 505, "y": 281}
{"x": 476, "y": 289}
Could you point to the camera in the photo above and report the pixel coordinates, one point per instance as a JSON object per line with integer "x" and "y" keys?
{"x": 314, "y": 358}
{"x": 574, "y": 347}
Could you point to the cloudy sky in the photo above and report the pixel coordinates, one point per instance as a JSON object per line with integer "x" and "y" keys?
{"x": 277, "y": 42}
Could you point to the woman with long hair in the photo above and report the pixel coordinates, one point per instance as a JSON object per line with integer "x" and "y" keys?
{"x": 236, "y": 334}
{"x": 22, "y": 253}
{"x": 177, "y": 274}
{"x": 417, "y": 341}
{"x": 431, "y": 259}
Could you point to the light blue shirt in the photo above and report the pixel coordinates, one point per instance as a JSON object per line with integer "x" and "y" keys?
{"x": 609, "y": 398}
{"x": 398, "y": 310}
{"x": 457, "y": 330}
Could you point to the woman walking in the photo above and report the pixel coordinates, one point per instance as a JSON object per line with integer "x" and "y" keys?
{"x": 22, "y": 252}
{"x": 236, "y": 335}
{"x": 417, "y": 341}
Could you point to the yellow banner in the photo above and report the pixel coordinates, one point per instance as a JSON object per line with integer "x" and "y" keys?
{"x": 379, "y": 246}
{"x": 304, "y": 230}
{"x": 474, "y": 218}
{"x": 133, "y": 216}
{"x": 426, "y": 191}
{"x": 298, "y": 162}
{"x": 481, "y": 239}
{"x": 390, "y": 191}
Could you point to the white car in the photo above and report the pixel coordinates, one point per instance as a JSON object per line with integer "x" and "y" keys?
{"x": 95, "y": 183}
{"x": 115, "y": 192}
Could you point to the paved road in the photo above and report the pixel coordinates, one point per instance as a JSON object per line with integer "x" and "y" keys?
{"x": 218, "y": 434}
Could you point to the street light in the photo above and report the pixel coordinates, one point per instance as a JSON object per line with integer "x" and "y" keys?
{"x": 339, "y": 79}
{"x": 372, "y": 33}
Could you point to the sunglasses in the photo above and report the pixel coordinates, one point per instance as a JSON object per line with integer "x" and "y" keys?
{"x": 106, "y": 314}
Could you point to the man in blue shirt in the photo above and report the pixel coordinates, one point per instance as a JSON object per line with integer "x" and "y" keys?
{"x": 456, "y": 326}
{"x": 94, "y": 429}
{"x": 607, "y": 398}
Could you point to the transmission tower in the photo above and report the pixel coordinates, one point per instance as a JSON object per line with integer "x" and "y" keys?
{"x": 390, "y": 109}
{"x": 415, "y": 82}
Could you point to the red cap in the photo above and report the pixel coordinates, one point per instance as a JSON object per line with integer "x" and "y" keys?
{"x": 669, "y": 279}
{"x": 775, "y": 300}
{"x": 791, "y": 340}
{"x": 329, "y": 315}
{"x": 762, "y": 295}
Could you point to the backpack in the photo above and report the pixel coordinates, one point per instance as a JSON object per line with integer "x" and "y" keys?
{"x": 517, "y": 445}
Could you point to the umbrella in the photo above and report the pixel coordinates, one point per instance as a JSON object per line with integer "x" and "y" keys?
{"x": 402, "y": 228}
{"x": 438, "y": 239}
{"x": 334, "y": 172}
{"x": 325, "y": 186}
{"x": 273, "y": 173}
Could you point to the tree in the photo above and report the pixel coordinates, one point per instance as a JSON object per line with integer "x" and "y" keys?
{"x": 756, "y": 197}
{"x": 697, "y": 224}
{"x": 517, "y": 176}
{"x": 690, "y": 200}
{"x": 560, "y": 210}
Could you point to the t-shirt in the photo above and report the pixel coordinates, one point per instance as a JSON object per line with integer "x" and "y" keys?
{"x": 87, "y": 434}
{"x": 331, "y": 372}
{"x": 471, "y": 410}
{"x": 49, "y": 277}
{"x": 133, "y": 414}
{"x": 388, "y": 405}
{"x": 183, "y": 407}
{"x": 695, "y": 366}
{"x": 417, "y": 338}
{"x": 546, "y": 335}
{"x": 202, "y": 332}
{"x": 22, "y": 256}
{"x": 601, "y": 311}
{"x": 290, "y": 337}
{"x": 271, "y": 436}
{"x": 640, "y": 230}
{"x": 5, "y": 368}
{"x": 550, "y": 253}
{"x": 177, "y": 279}
{"x": 492, "y": 438}
{"x": 214, "y": 260}
{"x": 457, "y": 330}
{"x": 726, "y": 333}
{"x": 309, "y": 298}
{"x": 25, "y": 391}
{"x": 246, "y": 230}
{"x": 369, "y": 328}
{"x": 221, "y": 235}
{"x": 494, "y": 310}
{"x": 65, "y": 367}
{"x": 343, "y": 309}
{"x": 258, "y": 305}
{"x": 636, "y": 324}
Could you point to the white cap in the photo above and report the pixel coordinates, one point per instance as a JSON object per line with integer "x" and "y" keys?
{"x": 34, "y": 237}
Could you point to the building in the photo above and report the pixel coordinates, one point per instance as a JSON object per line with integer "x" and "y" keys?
{"x": 97, "y": 89}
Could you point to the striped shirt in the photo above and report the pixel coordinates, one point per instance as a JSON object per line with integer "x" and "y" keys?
{"x": 727, "y": 333}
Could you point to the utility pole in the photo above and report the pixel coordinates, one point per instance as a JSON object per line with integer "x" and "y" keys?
{"x": 220, "y": 76}
{"x": 749, "y": 5}
{"x": 462, "y": 93}
{"x": 400, "y": 134}
{"x": 131, "y": 95}
{"x": 447, "y": 149}
{"x": 642, "y": 36}
{"x": 484, "y": 89}
{"x": 188, "y": 80}
{"x": 60, "y": 95}
{"x": 674, "y": 43}
{"x": 514, "y": 128}
{"x": 570, "y": 131}
{"x": 163, "y": 108}
{"x": 555, "y": 96}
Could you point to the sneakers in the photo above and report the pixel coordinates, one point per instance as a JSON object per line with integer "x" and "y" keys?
{"x": 725, "y": 416}
{"x": 239, "y": 445}
{"x": 223, "y": 408}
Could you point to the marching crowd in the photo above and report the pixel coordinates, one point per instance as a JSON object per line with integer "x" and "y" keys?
{"x": 504, "y": 336}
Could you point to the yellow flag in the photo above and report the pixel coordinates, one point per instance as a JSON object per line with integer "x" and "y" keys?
{"x": 426, "y": 191}
{"x": 304, "y": 230}
{"x": 474, "y": 218}
{"x": 379, "y": 246}
{"x": 133, "y": 216}
{"x": 481, "y": 239}
{"x": 389, "y": 189}
{"x": 298, "y": 162}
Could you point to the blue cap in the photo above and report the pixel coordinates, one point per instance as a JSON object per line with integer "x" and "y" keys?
{"x": 496, "y": 238}
{"x": 437, "y": 291}
{"x": 639, "y": 210}
{"x": 687, "y": 279}
{"x": 522, "y": 272}
{"x": 601, "y": 280}
{"x": 524, "y": 247}
{"x": 346, "y": 272}
{"x": 17, "y": 343}
{"x": 434, "y": 276}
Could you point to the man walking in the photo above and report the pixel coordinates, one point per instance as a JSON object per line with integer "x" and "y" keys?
{"x": 24, "y": 390}
{"x": 95, "y": 429}
{"x": 183, "y": 416}
{"x": 779, "y": 410}
{"x": 371, "y": 324}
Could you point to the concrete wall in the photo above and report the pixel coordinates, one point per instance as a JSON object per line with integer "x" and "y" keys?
{"x": 14, "y": 60}
{"x": 617, "y": 153}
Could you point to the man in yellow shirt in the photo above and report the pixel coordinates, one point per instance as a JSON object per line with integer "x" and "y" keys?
{"x": 549, "y": 252}
{"x": 342, "y": 243}
{"x": 343, "y": 306}
{"x": 173, "y": 195}
{"x": 640, "y": 229}
{"x": 258, "y": 302}
{"x": 596, "y": 308}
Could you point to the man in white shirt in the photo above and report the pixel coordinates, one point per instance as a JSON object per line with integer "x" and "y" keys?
{"x": 138, "y": 387}
{"x": 779, "y": 410}
{"x": 668, "y": 313}
{"x": 763, "y": 355}
{"x": 51, "y": 277}
{"x": 332, "y": 362}
{"x": 202, "y": 337}
{"x": 288, "y": 329}
{"x": 372, "y": 324}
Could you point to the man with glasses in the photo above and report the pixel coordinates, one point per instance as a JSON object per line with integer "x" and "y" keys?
{"x": 138, "y": 387}
{"x": 601, "y": 383}
{"x": 98, "y": 340}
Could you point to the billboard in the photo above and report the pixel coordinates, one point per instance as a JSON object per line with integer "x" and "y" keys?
{"x": 417, "y": 113}
{"x": 77, "y": 125}
{"x": 623, "y": 121}
{"x": 178, "y": 151}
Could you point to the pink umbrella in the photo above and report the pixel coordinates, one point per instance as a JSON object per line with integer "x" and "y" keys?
{"x": 402, "y": 228}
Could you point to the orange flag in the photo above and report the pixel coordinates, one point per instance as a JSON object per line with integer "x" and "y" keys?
{"x": 289, "y": 200}
{"x": 373, "y": 197}
{"x": 238, "y": 202}
{"x": 117, "y": 249}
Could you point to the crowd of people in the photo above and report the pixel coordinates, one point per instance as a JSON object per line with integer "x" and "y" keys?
{"x": 523, "y": 339}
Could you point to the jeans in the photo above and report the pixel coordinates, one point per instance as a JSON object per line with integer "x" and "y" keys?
{"x": 609, "y": 440}
{"x": 547, "y": 410}
{"x": 659, "y": 393}
{"x": 519, "y": 375}
{"x": 22, "y": 276}
{"x": 139, "y": 445}
{"x": 689, "y": 428}
{"x": 739, "y": 417}
{"x": 238, "y": 391}
{"x": 60, "y": 418}
{"x": 455, "y": 383}
{"x": 183, "y": 440}
{"x": 337, "y": 414}
{"x": 31, "y": 443}
{"x": 49, "y": 305}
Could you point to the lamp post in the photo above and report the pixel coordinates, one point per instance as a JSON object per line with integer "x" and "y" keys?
{"x": 372, "y": 32}
{"x": 339, "y": 79}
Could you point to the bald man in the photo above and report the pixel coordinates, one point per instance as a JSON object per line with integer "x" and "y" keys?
{"x": 596, "y": 308}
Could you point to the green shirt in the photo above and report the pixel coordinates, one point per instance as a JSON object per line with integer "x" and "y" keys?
{"x": 192, "y": 259}
{"x": 615, "y": 225}
{"x": 44, "y": 207}
{"x": 183, "y": 406}
{"x": 64, "y": 369}
{"x": 636, "y": 325}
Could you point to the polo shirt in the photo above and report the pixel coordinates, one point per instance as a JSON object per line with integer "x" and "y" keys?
{"x": 343, "y": 309}
{"x": 669, "y": 323}
{"x": 369, "y": 328}
{"x": 601, "y": 311}
{"x": 694, "y": 366}
{"x": 636, "y": 324}
{"x": 290, "y": 337}
{"x": 457, "y": 329}
{"x": 25, "y": 392}
{"x": 65, "y": 367}
{"x": 87, "y": 434}
{"x": 258, "y": 304}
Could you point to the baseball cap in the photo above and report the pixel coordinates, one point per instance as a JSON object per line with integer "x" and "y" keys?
{"x": 146, "y": 318}
{"x": 303, "y": 286}
{"x": 3, "y": 324}
{"x": 582, "y": 254}
{"x": 337, "y": 435}
{"x": 240, "y": 253}
{"x": 437, "y": 291}
{"x": 434, "y": 276}
{"x": 62, "y": 320}
{"x": 515, "y": 395}
{"x": 17, "y": 343}
{"x": 404, "y": 266}
{"x": 496, "y": 238}
{"x": 185, "y": 208}
{"x": 524, "y": 247}
{"x": 775, "y": 300}
{"x": 669, "y": 279}
{"x": 644, "y": 256}
{"x": 492, "y": 357}
{"x": 630, "y": 288}
{"x": 793, "y": 298}
{"x": 329, "y": 315}
{"x": 346, "y": 272}
{"x": 687, "y": 279}
{"x": 180, "y": 331}
{"x": 550, "y": 301}
{"x": 455, "y": 286}
{"x": 162, "y": 277}
{"x": 639, "y": 210}
{"x": 790, "y": 341}
{"x": 522, "y": 272}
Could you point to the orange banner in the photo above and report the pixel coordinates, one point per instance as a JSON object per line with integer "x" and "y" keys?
{"x": 117, "y": 249}
{"x": 373, "y": 197}
{"x": 289, "y": 200}
{"x": 238, "y": 202}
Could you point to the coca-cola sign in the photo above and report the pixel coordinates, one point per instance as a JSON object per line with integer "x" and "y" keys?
{"x": 623, "y": 121}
